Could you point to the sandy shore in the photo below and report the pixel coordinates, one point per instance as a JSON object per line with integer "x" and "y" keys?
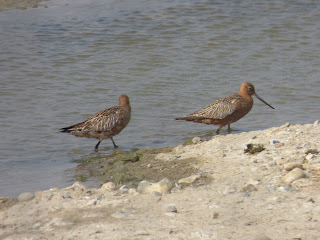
{"x": 271, "y": 193}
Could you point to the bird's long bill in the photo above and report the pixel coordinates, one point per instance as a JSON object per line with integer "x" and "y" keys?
{"x": 257, "y": 96}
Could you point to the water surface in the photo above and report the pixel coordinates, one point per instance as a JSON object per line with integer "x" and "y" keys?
{"x": 61, "y": 63}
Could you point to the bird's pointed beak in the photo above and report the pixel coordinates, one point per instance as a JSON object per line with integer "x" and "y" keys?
{"x": 257, "y": 96}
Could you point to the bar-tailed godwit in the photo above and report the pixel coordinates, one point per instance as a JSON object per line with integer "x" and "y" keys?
{"x": 104, "y": 124}
{"x": 225, "y": 111}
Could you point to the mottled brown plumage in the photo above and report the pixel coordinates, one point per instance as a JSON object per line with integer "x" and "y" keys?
{"x": 104, "y": 124}
{"x": 226, "y": 110}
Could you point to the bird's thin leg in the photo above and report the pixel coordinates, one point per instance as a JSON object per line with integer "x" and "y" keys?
{"x": 115, "y": 146}
{"x": 218, "y": 131}
{"x": 96, "y": 147}
{"x": 229, "y": 129}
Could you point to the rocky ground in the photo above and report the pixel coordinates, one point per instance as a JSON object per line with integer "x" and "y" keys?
{"x": 257, "y": 185}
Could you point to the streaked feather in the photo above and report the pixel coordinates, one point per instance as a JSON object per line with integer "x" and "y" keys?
{"x": 219, "y": 109}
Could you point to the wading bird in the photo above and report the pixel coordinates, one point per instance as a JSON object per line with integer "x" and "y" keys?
{"x": 225, "y": 111}
{"x": 104, "y": 124}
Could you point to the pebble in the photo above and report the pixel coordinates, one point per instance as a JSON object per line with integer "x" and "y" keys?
{"x": 286, "y": 125}
{"x": 124, "y": 188}
{"x": 215, "y": 215}
{"x": 316, "y": 123}
{"x": 172, "y": 208}
{"x": 179, "y": 149}
{"x": 290, "y": 166}
{"x": 249, "y": 188}
{"x": 229, "y": 190}
{"x": 189, "y": 180}
{"x": 163, "y": 186}
{"x": 109, "y": 186}
{"x": 77, "y": 186}
{"x": 283, "y": 189}
{"x": 196, "y": 140}
{"x": 309, "y": 156}
{"x": 293, "y": 175}
{"x": 27, "y": 196}
{"x": 274, "y": 141}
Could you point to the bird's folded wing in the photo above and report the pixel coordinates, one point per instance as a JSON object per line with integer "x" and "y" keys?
{"x": 216, "y": 110}
{"x": 104, "y": 120}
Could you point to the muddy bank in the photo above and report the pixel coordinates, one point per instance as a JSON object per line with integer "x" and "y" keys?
{"x": 262, "y": 185}
{"x": 19, "y": 4}
{"x": 131, "y": 167}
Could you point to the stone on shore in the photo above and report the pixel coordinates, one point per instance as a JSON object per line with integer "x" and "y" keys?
{"x": 109, "y": 186}
{"x": 293, "y": 175}
{"x": 189, "y": 180}
{"x": 164, "y": 186}
{"x": 292, "y": 165}
{"x": 27, "y": 196}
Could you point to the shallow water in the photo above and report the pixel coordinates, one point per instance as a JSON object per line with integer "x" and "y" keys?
{"x": 61, "y": 63}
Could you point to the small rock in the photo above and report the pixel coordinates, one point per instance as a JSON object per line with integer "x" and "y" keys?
{"x": 215, "y": 215}
{"x": 27, "y": 196}
{"x": 293, "y": 175}
{"x": 179, "y": 149}
{"x": 254, "y": 148}
{"x": 229, "y": 190}
{"x": 274, "y": 141}
{"x": 163, "y": 186}
{"x": 286, "y": 125}
{"x": 124, "y": 188}
{"x": 289, "y": 166}
{"x": 109, "y": 186}
{"x": 253, "y": 182}
{"x": 172, "y": 208}
{"x": 189, "y": 180}
{"x": 249, "y": 188}
{"x": 77, "y": 186}
{"x": 316, "y": 123}
{"x": 283, "y": 189}
{"x": 196, "y": 140}
{"x": 310, "y": 200}
{"x": 309, "y": 156}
